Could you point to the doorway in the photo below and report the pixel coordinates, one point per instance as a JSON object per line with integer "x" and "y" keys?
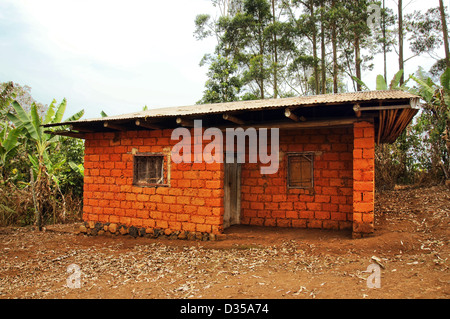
{"x": 232, "y": 194}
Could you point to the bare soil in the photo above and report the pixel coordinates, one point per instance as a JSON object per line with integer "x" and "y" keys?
{"x": 411, "y": 243}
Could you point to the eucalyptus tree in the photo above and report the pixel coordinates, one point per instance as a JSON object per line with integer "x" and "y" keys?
{"x": 223, "y": 84}
{"x": 424, "y": 33}
{"x": 444, "y": 32}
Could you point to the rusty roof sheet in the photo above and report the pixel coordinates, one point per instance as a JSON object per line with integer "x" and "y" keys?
{"x": 303, "y": 101}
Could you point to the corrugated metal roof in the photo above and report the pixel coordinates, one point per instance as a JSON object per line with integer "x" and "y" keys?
{"x": 316, "y": 100}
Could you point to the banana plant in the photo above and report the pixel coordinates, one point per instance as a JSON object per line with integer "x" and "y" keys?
{"x": 437, "y": 103}
{"x": 77, "y": 168}
{"x": 381, "y": 84}
{"x": 437, "y": 94}
{"x": 8, "y": 144}
{"x": 43, "y": 170}
{"x": 32, "y": 124}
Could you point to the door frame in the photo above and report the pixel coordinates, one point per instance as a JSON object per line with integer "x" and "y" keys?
{"x": 228, "y": 218}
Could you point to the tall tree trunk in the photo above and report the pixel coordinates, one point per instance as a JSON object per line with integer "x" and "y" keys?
{"x": 358, "y": 61}
{"x": 334, "y": 44}
{"x": 401, "y": 62}
{"x": 314, "y": 43}
{"x": 275, "y": 67}
{"x": 261, "y": 64}
{"x": 384, "y": 41}
{"x": 322, "y": 49}
{"x": 445, "y": 32}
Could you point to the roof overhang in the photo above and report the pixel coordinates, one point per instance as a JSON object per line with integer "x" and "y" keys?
{"x": 391, "y": 112}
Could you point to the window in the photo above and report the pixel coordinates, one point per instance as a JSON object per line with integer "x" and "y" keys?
{"x": 300, "y": 170}
{"x": 148, "y": 170}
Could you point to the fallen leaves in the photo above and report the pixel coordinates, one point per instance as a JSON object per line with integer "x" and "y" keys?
{"x": 413, "y": 249}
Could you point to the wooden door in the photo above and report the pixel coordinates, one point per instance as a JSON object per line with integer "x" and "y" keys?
{"x": 232, "y": 196}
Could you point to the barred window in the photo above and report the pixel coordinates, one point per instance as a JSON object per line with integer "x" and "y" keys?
{"x": 148, "y": 170}
{"x": 300, "y": 170}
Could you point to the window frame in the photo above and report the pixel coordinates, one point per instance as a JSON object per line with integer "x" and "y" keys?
{"x": 163, "y": 170}
{"x": 310, "y": 157}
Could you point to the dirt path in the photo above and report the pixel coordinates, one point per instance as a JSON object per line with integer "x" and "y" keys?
{"x": 411, "y": 242}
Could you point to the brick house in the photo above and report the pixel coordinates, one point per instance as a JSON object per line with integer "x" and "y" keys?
{"x": 325, "y": 177}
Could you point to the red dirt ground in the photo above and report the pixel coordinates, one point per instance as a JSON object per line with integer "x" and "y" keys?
{"x": 411, "y": 242}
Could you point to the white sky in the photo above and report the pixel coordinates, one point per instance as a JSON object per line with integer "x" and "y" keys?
{"x": 117, "y": 56}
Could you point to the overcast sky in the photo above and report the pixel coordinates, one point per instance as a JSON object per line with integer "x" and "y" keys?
{"x": 116, "y": 56}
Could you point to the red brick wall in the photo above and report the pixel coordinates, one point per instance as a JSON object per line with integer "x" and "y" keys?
{"x": 363, "y": 179}
{"x": 342, "y": 196}
{"x": 193, "y": 202}
{"x": 267, "y": 201}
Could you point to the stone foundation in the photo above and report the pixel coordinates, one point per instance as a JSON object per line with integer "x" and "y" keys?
{"x": 111, "y": 229}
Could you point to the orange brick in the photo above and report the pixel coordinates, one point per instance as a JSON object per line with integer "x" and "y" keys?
{"x": 369, "y": 153}
{"x": 184, "y": 183}
{"x": 270, "y": 222}
{"x": 330, "y": 173}
{"x": 191, "y": 174}
{"x": 257, "y": 221}
{"x": 368, "y": 142}
{"x": 363, "y": 186}
{"x": 330, "y": 207}
{"x": 272, "y": 206}
{"x": 214, "y": 202}
{"x": 292, "y": 214}
{"x": 369, "y": 132}
{"x": 338, "y": 199}
{"x": 148, "y": 223}
{"x": 368, "y": 218}
{"x": 363, "y": 207}
{"x": 338, "y": 216}
{"x": 125, "y": 220}
{"x": 188, "y": 226}
{"x": 175, "y": 226}
{"x": 130, "y": 197}
{"x": 183, "y": 217}
{"x": 357, "y": 153}
{"x": 345, "y": 208}
{"x": 213, "y": 220}
{"x": 363, "y": 124}
{"x": 203, "y": 228}
{"x": 114, "y": 219}
{"x": 322, "y": 215}
{"x": 184, "y": 200}
{"x": 330, "y": 224}
{"x": 213, "y": 184}
{"x": 162, "y": 224}
{"x": 284, "y": 223}
{"x": 174, "y": 208}
{"x": 190, "y": 209}
{"x": 169, "y": 199}
{"x": 299, "y": 223}
{"x": 163, "y": 207}
{"x": 197, "y": 201}
{"x": 288, "y": 205}
{"x": 357, "y": 217}
{"x": 279, "y": 214}
{"x": 156, "y": 198}
{"x": 143, "y": 198}
{"x": 314, "y": 223}
{"x": 205, "y": 175}
{"x": 358, "y": 132}
{"x": 204, "y": 210}
{"x": 313, "y": 206}
{"x": 322, "y": 199}
{"x": 306, "y": 198}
